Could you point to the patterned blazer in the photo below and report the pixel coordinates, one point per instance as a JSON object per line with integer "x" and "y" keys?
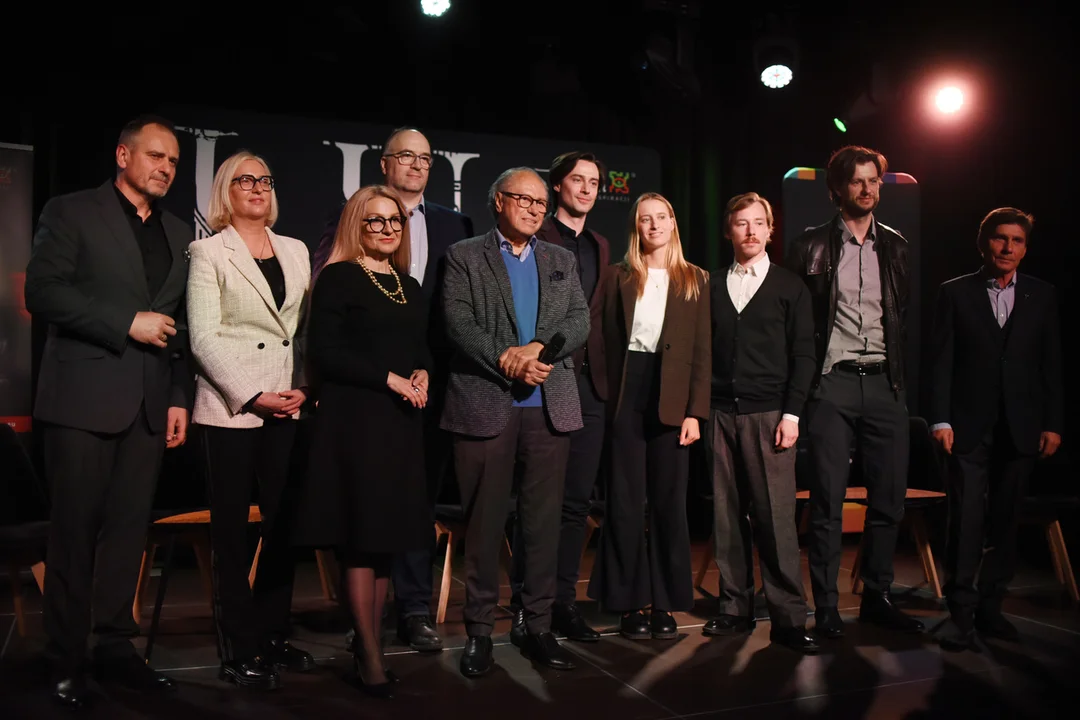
{"x": 480, "y": 322}
{"x": 241, "y": 342}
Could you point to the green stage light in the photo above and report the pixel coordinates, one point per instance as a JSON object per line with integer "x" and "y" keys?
{"x": 839, "y": 125}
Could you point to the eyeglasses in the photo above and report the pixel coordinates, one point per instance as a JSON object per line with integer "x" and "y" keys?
{"x": 526, "y": 201}
{"x": 410, "y": 158}
{"x": 247, "y": 182}
{"x": 376, "y": 223}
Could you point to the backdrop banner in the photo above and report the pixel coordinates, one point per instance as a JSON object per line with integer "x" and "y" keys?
{"x": 16, "y": 230}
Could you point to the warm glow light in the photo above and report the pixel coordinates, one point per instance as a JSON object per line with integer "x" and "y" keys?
{"x": 434, "y": 8}
{"x": 776, "y": 76}
{"x": 949, "y": 99}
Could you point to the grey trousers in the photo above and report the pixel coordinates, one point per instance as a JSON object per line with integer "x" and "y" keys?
{"x": 754, "y": 491}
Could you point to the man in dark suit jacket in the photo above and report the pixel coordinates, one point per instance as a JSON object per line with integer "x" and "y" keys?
{"x": 108, "y": 273}
{"x": 506, "y": 296}
{"x": 996, "y": 406}
{"x": 574, "y": 180}
{"x": 406, "y": 165}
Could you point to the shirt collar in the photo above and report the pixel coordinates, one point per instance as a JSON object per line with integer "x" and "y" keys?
{"x": 848, "y": 236}
{"x": 992, "y": 283}
{"x": 567, "y": 231}
{"x": 129, "y": 207}
{"x": 419, "y": 206}
{"x": 756, "y": 269}
{"x": 505, "y": 245}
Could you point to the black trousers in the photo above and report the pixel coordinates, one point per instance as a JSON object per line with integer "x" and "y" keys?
{"x": 986, "y": 485}
{"x": 850, "y": 410}
{"x": 485, "y": 474}
{"x": 586, "y": 447}
{"x": 101, "y": 488}
{"x": 649, "y": 468}
{"x": 232, "y": 461}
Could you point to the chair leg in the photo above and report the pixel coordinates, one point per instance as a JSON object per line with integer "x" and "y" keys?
{"x": 38, "y": 570}
{"x": 856, "y": 566}
{"x": 926, "y": 554}
{"x": 254, "y": 564}
{"x": 444, "y": 584}
{"x": 507, "y": 559}
{"x": 591, "y": 526}
{"x": 163, "y": 583}
{"x": 1061, "y": 560}
{"x": 201, "y": 545}
{"x": 703, "y": 567}
{"x": 328, "y": 570}
{"x": 17, "y": 598}
{"x": 144, "y": 579}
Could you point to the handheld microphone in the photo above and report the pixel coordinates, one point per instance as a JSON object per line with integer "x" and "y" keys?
{"x": 552, "y": 349}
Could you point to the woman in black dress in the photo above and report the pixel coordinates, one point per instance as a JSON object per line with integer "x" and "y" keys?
{"x": 366, "y": 494}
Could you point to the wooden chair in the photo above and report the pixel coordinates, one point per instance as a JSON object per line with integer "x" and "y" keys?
{"x": 23, "y": 536}
{"x": 450, "y": 525}
{"x": 1045, "y": 511}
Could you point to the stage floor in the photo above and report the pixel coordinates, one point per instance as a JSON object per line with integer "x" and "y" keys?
{"x": 868, "y": 674}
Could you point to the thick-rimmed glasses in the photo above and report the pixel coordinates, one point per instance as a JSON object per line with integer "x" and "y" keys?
{"x": 527, "y": 201}
{"x": 410, "y": 158}
{"x": 377, "y": 224}
{"x": 248, "y": 182}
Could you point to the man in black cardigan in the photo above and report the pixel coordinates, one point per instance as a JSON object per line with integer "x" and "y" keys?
{"x": 763, "y": 364}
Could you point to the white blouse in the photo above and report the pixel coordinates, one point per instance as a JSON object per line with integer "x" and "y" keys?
{"x": 649, "y": 312}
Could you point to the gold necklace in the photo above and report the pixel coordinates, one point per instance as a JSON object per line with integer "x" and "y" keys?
{"x": 398, "y": 295}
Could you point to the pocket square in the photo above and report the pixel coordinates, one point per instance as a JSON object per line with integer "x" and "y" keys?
{"x": 557, "y": 275}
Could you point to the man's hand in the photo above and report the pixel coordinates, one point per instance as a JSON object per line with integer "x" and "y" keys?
{"x": 691, "y": 431}
{"x": 944, "y": 436}
{"x": 176, "y": 427}
{"x": 152, "y": 328}
{"x": 1048, "y": 444}
{"x": 533, "y": 372}
{"x": 787, "y": 434}
{"x": 513, "y": 359}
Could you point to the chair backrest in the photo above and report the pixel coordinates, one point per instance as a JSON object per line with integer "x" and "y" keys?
{"x": 21, "y": 496}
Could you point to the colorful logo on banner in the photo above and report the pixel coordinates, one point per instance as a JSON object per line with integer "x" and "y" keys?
{"x": 617, "y": 187}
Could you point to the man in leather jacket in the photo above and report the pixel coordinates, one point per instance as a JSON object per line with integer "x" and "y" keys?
{"x": 857, "y": 274}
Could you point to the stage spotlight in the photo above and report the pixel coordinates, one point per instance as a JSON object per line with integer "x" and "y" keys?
{"x": 776, "y": 76}
{"x": 434, "y": 8}
{"x": 949, "y": 99}
{"x": 776, "y": 58}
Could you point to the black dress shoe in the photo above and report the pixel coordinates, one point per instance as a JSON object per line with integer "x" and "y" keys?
{"x": 795, "y": 638}
{"x": 544, "y": 649}
{"x": 283, "y": 654}
{"x": 132, "y": 672}
{"x": 476, "y": 659}
{"x": 255, "y": 673}
{"x": 662, "y": 625}
{"x": 878, "y": 608}
{"x": 729, "y": 625}
{"x": 69, "y": 690}
{"x": 828, "y": 623}
{"x": 567, "y": 620}
{"x": 991, "y": 623}
{"x": 635, "y": 626}
{"x": 958, "y": 632}
{"x": 418, "y": 632}
{"x": 517, "y": 628}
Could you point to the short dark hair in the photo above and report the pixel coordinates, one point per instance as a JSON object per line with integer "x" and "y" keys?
{"x": 1003, "y": 216}
{"x": 397, "y": 131}
{"x": 135, "y": 126}
{"x": 841, "y": 168}
{"x": 564, "y": 164}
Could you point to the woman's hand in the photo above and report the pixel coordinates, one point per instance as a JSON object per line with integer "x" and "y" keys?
{"x": 293, "y": 400}
{"x": 408, "y": 392}
{"x": 419, "y": 378}
{"x": 691, "y": 431}
{"x": 269, "y": 404}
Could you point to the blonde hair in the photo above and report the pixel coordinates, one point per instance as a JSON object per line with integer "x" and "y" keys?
{"x": 684, "y": 276}
{"x": 347, "y": 242}
{"x": 220, "y": 212}
{"x": 741, "y": 202}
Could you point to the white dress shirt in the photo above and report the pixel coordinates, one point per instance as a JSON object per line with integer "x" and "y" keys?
{"x": 742, "y": 284}
{"x": 649, "y": 312}
{"x": 418, "y": 243}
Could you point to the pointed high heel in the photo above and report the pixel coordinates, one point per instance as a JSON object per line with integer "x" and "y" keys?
{"x": 383, "y": 690}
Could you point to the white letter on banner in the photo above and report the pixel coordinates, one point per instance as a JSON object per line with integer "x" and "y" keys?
{"x": 457, "y": 161}
{"x": 351, "y": 154}
{"x": 204, "y": 175}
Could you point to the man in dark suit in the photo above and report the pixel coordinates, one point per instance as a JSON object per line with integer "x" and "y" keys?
{"x": 506, "y": 295}
{"x": 574, "y": 180}
{"x": 406, "y": 165}
{"x": 108, "y": 273}
{"x": 996, "y": 407}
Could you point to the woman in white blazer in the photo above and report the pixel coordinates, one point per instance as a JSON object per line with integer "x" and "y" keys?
{"x": 246, "y": 295}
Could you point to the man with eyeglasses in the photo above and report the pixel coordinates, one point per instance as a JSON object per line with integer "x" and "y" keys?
{"x": 406, "y": 167}
{"x": 512, "y": 401}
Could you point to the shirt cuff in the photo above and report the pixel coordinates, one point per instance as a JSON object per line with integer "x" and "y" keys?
{"x": 940, "y": 426}
{"x": 792, "y": 418}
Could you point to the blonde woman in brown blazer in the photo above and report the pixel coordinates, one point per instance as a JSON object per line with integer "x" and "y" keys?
{"x": 659, "y": 360}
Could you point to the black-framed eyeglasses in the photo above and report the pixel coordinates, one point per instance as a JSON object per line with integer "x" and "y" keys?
{"x": 376, "y": 223}
{"x": 247, "y": 182}
{"x": 410, "y": 158}
{"x": 527, "y": 201}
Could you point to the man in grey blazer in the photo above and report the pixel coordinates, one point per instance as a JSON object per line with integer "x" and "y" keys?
{"x": 507, "y": 295}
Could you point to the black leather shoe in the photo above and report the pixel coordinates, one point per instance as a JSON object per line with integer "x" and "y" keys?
{"x": 255, "y": 673}
{"x": 69, "y": 690}
{"x": 476, "y": 659}
{"x": 958, "y": 632}
{"x": 828, "y": 624}
{"x": 878, "y": 608}
{"x": 544, "y": 649}
{"x": 418, "y": 632}
{"x": 795, "y": 638}
{"x": 517, "y": 629}
{"x": 285, "y": 655}
{"x": 662, "y": 625}
{"x": 992, "y": 623}
{"x": 729, "y": 625}
{"x": 132, "y": 672}
{"x": 567, "y": 620}
{"x": 635, "y": 626}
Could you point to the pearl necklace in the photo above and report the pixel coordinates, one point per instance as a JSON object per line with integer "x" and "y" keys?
{"x": 398, "y": 295}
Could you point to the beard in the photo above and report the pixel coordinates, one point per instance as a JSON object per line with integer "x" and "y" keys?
{"x": 855, "y": 210}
